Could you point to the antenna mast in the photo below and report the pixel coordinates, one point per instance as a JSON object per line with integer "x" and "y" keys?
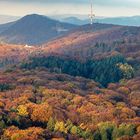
{"x": 91, "y": 15}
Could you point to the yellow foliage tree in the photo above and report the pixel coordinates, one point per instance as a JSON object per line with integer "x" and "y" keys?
{"x": 128, "y": 71}
{"x": 74, "y": 130}
{"x": 22, "y": 110}
{"x": 60, "y": 126}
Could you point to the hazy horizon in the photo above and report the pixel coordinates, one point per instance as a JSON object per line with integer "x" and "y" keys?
{"x": 108, "y": 8}
{"x": 67, "y": 15}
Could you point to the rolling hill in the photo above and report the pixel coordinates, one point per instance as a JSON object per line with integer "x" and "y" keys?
{"x": 88, "y": 42}
{"x": 91, "y": 41}
{"x": 34, "y": 29}
{"x": 98, "y": 42}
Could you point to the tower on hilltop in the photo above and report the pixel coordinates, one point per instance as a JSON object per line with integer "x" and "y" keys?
{"x": 91, "y": 15}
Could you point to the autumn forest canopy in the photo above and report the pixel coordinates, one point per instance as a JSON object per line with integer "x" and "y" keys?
{"x": 77, "y": 83}
{"x": 58, "y": 97}
{"x": 104, "y": 71}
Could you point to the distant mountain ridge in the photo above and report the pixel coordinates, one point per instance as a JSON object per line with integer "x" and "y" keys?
{"x": 126, "y": 21}
{"x": 33, "y": 30}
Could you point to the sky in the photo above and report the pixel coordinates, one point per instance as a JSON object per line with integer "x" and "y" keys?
{"x": 108, "y": 8}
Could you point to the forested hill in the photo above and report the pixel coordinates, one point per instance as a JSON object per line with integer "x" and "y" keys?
{"x": 33, "y": 30}
{"x": 97, "y": 41}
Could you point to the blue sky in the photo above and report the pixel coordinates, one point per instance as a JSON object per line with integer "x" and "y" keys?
{"x": 110, "y": 8}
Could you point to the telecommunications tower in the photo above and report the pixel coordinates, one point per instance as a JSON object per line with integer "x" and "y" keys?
{"x": 91, "y": 15}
